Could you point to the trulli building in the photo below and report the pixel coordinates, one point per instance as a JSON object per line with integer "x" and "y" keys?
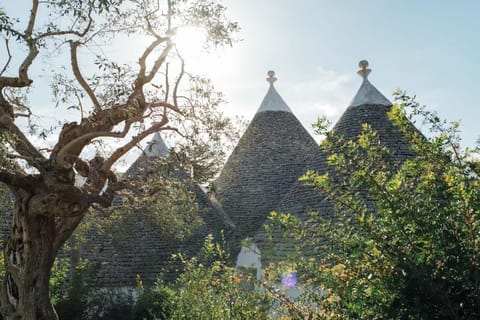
{"x": 369, "y": 106}
{"x": 260, "y": 176}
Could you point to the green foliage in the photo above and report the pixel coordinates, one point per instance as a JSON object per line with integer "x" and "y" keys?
{"x": 84, "y": 301}
{"x": 152, "y": 303}
{"x": 116, "y": 101}
{"x": 165, "y": 198}
{"x": 6, "y": 25}
{"x": 68, "y": 292}
{"x": 58, "y": 279}
{"x": 209, "y": 15}
{"x": 321, "y": 126}
{"x": 113, "y": 306}
{"x": 74, "y": 294}
{"x": 79, "y": 298}
{"x": 209, "y": 289}
{"x": 405, "y": 242}
{"x": 207, "y": 135}
{"x": 6, "y": 204}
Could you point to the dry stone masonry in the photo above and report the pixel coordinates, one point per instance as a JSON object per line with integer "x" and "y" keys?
{"x": 260, "y": 176}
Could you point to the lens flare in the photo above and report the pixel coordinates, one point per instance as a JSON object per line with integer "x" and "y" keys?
{"x": 289, "y": 279}
{"x": 190, "y": 41}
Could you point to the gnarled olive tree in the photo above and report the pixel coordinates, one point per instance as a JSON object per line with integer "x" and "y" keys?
{"x": 115, "y": 101}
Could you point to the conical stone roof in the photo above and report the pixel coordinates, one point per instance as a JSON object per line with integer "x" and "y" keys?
{"x": 140, "y": 248}
{"x": 268, "y": 159}
{"x": 155, "y": 149}
{"x": 369, "y": 106}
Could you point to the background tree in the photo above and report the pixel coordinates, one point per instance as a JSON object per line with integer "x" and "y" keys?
{"x": 404, "y": 243}
{"x": 205, "y": 138}
{"x": 115, "y": 101}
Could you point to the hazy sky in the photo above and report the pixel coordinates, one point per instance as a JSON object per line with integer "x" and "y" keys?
{"x": 429, "y": 48}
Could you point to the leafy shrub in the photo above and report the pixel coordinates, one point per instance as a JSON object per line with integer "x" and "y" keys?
{"x": 404, "y": 243}
{"x": 153, "y": 303}
{"x": 73, "y": 298}
{"x": 208, "y": 289}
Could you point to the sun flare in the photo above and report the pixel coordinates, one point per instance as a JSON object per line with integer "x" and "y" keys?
{"x": 190, "y": 41}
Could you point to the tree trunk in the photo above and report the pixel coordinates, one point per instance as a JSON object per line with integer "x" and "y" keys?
{"x": 29, "y": 255}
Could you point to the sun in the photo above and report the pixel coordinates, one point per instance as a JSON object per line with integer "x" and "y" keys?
{"x": 191, "y": 44}
{"x": 191, "y": 41}
{"x": 216, "y": 63}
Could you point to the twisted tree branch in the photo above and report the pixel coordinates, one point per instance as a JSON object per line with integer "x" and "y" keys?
{"x": 118, "y": 153}
{"x": 78, "y": 75}
{"x": 9, "y": 59}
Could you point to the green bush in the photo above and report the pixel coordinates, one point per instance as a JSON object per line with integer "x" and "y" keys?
{"x": 212, "y": 291}
{"x": 153, "y": 302}
{"x": 72, "y": 300}
{"x": 404, "y": 243}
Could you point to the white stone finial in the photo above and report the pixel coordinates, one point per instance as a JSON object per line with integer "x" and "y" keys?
{"x": 272, "y": 100}
{"x": 271, "y": 77}
{"x": 364, "y": 71}
{"x": 367, "y": 94}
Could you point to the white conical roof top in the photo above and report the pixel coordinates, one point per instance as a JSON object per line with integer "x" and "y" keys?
{"x": 273, "y": 101}
{"x": 368, "y": 94}
{"x": 156, "y": 147}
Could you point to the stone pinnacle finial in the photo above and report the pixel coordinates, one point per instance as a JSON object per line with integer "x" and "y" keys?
{"x": 272, "y": 100}
{"x": 364, "y": 71}
{"x": 271, "y": 77}
{"x": 367, "y": 94}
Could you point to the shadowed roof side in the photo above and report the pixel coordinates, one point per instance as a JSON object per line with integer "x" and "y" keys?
{"x": 268, "y": 159}
{"x": 141, "y": 248}
{"x": 301, "y": 199}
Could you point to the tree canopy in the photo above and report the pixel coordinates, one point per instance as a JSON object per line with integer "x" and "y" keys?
{"x": 404, "y": 241}
{"x": 117, "y": 104}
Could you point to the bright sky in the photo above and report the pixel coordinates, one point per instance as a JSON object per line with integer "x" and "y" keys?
{"x": 429, "y": 48}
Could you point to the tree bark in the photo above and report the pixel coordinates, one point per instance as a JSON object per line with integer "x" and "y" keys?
{"x": 29, "y": 255}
